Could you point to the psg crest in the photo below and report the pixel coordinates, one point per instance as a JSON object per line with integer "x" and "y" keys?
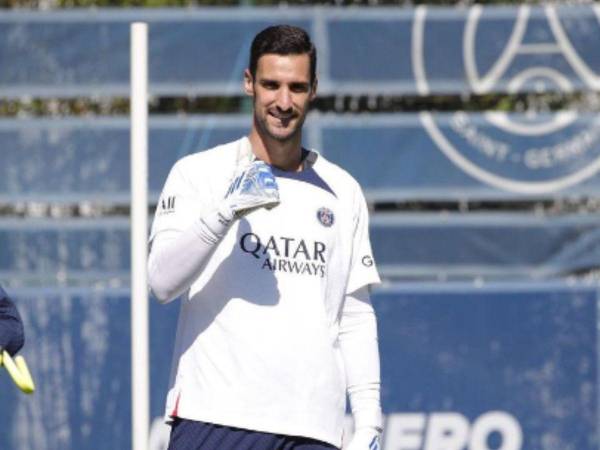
{"x": 325, "y": 216}
{"x": 531, "y": 152}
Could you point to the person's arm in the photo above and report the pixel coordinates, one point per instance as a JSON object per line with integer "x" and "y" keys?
{"x": 360, "y": 352}
{"x": 12, "y": 335}
{"x": 178, "y": 257}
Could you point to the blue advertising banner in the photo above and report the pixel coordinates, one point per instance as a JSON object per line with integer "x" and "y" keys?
{"x": 456, "y": 156}
{"x": 425, "y": 247}
{"x": 78, "y": 350}
{"x": 383, "y": 50}
{"x": 509, "y": 366}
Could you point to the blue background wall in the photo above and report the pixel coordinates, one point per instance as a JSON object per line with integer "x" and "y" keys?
{"x": 527, "y": 350}
{"x": 487, "y": 319}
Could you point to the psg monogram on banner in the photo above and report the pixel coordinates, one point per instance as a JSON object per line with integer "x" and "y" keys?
{"x": 530, "y": 152}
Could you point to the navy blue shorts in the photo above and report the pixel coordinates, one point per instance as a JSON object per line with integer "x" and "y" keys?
{"x": 193, "y": 435}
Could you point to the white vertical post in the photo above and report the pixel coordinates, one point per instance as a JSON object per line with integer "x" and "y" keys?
{"x": 139, "y": 241}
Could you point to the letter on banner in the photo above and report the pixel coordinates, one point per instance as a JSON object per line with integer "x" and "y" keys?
{"x": 404, "y": 431}
{"x": 447, "y": 431}
{"x": 501, "y": 422}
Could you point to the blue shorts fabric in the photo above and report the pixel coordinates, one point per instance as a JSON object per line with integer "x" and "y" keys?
{"x": 193, "y": 435}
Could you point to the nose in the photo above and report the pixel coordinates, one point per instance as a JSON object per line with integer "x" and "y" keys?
{"x": 284, "y": 100}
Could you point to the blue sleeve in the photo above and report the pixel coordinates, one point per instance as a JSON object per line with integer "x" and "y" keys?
{"x": 12, "y": 336}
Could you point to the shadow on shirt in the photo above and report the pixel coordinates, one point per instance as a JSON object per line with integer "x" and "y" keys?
{"x": 238, "y": 285}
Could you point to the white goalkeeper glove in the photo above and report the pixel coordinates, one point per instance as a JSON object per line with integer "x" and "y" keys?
{"x": 366, "y": 438}
{"x": 254, "y": 187}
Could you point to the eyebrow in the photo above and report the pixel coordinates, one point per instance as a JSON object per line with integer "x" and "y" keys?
{"x": 292, "y": 83}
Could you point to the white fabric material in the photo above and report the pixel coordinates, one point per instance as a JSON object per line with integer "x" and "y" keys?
{"x": 365, "y": 439}
{"x": 360, "y": 351}
{"x": 359, "y": 346}
{"x": 257, "y": 339}
{"x": 177, "y": 259}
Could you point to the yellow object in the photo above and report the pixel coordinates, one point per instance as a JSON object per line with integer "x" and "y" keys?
{"x": 18, "y": 371}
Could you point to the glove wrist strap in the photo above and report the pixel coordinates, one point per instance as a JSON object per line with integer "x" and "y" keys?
{"x": 216, "y": 223}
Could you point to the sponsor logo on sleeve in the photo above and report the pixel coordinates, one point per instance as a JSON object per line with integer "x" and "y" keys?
{"x": 367, "y": 261}
{"x": 166, "y": 205}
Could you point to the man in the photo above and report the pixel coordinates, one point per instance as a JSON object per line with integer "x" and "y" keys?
{"x": 11, "y": 328}
{"x": 268, "y": 243}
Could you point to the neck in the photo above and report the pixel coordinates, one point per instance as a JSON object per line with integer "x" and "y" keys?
{"x": 283, "y": 155}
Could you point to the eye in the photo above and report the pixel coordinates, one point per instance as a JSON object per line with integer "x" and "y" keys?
{"x": 271, "y": 85}
{"x": 299, "y": 87}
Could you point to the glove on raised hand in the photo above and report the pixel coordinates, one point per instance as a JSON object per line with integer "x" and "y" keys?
{"x": 254, "y": 187}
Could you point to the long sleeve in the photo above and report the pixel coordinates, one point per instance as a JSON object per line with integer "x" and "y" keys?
{"x": 12, "y": 336}
{"x": 178, "y": 257}
{"x": 360, "y": 352}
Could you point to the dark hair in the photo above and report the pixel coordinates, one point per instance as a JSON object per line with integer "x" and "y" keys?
{"x": 283, "y": 40}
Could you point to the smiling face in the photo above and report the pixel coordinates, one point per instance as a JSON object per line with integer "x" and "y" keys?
{"x": 282, "y": 91}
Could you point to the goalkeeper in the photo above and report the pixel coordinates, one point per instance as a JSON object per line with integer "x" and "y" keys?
{"x": 12, "y": 336}
{"x": 267, "y": 244}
